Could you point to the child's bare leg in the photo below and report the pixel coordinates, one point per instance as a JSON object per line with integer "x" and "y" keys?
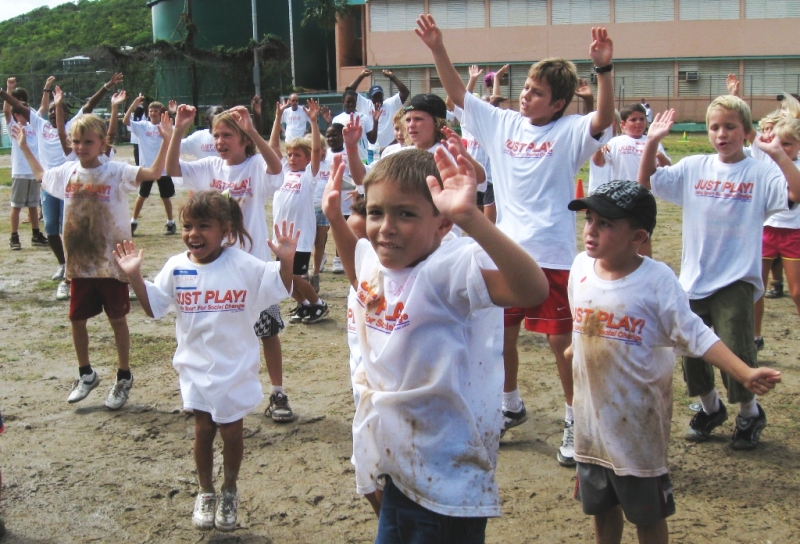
{"x": 232, "y": 452}
{"x": 559, "y": 343}
{"x": 777, "y": 271}
{"x": 304, "y": 290}
{"x": 122, "y": 339}
{"x": 608, "y": 526}
{"x": 15, "y": 219}
{"x": 204, "y": 432}
{"x": 656, "y": 533}
{"x": 33, "y": 214}
{"x": 758, "y": 308}
{"x": 167, "y": 207}
{"x": 274, "y": 358}
{"x": 792, "y": 271}
{"x": 375, "y": 499}
{"x": 80, "y": 339}
{"x": 137, "y": 207}
{"x": 510, "y": 357}
{"x": 319, "y": 248}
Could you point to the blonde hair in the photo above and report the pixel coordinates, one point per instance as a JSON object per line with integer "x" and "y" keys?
{"x": 787, "y": 129}
{"x": 90, "y": 123}
{"x": 156, "y": 104}
{"x": 227, "y": 119}
{"x": 561, "y": 75}
{"x": 300, "y": 143}
{"x": 398, "y": 120}
{"x": 790, "y": 106}
{"x": 770, "y": 118}
{"x": 733, "y": 103}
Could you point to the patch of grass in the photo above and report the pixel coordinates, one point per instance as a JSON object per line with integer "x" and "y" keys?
{"x": 5, "y": 177}
{"x": 149, "y": 350}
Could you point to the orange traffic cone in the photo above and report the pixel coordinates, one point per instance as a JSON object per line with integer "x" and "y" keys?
{"x": 579, "y": 189}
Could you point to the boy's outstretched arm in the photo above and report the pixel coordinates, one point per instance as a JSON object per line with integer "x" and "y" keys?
{"x": 10, "y": 103}
{"x": 658, "y": 130}
{"x": 518, "y": 280}
{"x": 771, "y": 145}
{"x": 184, "y": 116}
{"x": 155, "y": 170}
{"x": 602, "y": 54}
{"x": 135, "y": 104}
{"x": 45, "y": 103}
{"x": 351, "y": 134}
{"x": 18, "y": 133}
{"x": 401, "y": 87}
{"x": 454, "y": 139}
{"x": 430, "y": 34}
{"x": 757, "y": 380}
{"x": 316, "y": 145}
{"x": 130, "y": 261}
{"x": 92, "y": 103}
{"x": 343, "y": 237}
{"x": 284, "y": 249}
{"x": 116, "y": 101}
{"x": 61, "y": 128}
{"x": 272, "y": 158}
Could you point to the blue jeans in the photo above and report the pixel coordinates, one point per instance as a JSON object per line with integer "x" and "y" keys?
{"x": 402, "y": 521}
{"x": 53, "y": 212}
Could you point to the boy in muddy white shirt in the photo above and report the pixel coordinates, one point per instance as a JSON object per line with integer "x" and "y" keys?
{"x": 629, "y": 313}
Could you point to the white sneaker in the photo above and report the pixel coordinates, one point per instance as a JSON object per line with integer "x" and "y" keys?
{"x": 322, "y": 263}
{"x": 204, "y": 506}
{"x": 118, "y": 395}
{"x": 82, "y": 387}
{"x": 566, "y": 452}
{"x": 59, "y": 275}
{"x": 62, "y": 291}
{"x": 227, "y": 507}
{"x": 337, "y": 266}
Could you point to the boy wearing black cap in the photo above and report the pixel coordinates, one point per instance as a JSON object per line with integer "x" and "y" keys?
{"x": 628, "y": 314}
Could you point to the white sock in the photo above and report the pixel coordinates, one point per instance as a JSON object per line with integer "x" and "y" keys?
{"x": 306, "y": 303}
{"x": 568, "y": 415}
{"x": 710, "y": 401}
{"x": 134, "y": 221}
{"x": 511, "y": 401}
{"x": 748, "y": 409}
{"x": 277, "y": 389}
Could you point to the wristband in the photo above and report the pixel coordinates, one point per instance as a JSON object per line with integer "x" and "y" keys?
{"x": 47, "y": 91}
{"x": 106, "y": 88}
{"x": 603, "y": 69}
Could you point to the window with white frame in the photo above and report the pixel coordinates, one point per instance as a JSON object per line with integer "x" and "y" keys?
{"x": 771, "y": 76}
{"x": 458, "y": 14}
{"x": 394, "y": 15}
{"x": 641, "y": 11}
{"x": 772, "y": 9}
{"x": 575, "y": 12}
{"x": 706, "y": 10}
{"x": 503, "y": 13}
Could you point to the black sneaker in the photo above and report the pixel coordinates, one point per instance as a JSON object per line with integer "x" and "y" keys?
{"x": 759, "y": 343}
{"x": 170, "y": 228}
{"x": 316, "y": 313}
{"x": 748, "y": 430}
{"x": 702, "y": 424}
{"x": 14, "y": 242}
{"x": 134, "y": 224}
{"x": 775, "y": 290}
{"x": 299, "y": 313}
{"x": 512, "y": 419}
{"x": 279, "y": 409}
{"x": 39, "y": 239}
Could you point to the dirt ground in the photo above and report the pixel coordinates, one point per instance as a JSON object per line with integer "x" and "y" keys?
{"x": 81, "y": 473}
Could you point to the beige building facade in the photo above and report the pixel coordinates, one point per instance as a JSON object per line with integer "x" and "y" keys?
{"x": 672, "y": 53}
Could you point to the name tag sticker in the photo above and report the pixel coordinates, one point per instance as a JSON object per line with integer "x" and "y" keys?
{"x": 185, "y": 279}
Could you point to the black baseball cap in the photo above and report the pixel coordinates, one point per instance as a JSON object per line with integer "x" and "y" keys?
{"x": 375, "y": 89}
{"x": 618, "y": 199}
{"x": 429, "y": 103}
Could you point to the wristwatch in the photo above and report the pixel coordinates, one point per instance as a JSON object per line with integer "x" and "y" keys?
{"x": 603, "y": 69}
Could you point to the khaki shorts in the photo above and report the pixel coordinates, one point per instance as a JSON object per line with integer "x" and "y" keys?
{"x": 24, "y": 193}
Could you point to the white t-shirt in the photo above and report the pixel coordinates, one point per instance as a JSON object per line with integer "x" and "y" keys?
{"x": 96, "y": 215}
{"x": 533, "y": 170}
{"x": 348, "y": 185}
{"x": 724, "y": 208}
{"x": 200, "y": 144}
{"x": 598, "y": 175}
{"x": 295, "y": 121}
{"x": 51, "y": 154}
{"x": 390, "y": 149}
{"x": 366, "y": 125}
{"x": 149, "y": 141}
{"x": 790, "y": 219}
{"x": 474, "y": 148}
{"x": 294, "y": 202}
{"x": 19, "y": 164}
{"x": 624, "y": 156}
{"x": 623, "y": 335}
{"x": 389, "y": 108}
{"x": 218, "y": 356}
{"x": 248, "y": 182}
{"x": 430, "y": 379}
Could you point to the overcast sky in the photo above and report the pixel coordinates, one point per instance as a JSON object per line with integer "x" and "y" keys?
{"x": 11, "y": 8}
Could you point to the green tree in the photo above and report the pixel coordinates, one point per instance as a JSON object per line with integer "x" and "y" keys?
{"x": 325, "y": 13}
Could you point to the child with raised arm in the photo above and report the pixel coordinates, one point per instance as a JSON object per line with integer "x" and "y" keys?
{"x": 294, "y": 202}
{"x": 726, "y": 198}
{"x": 150, "y": 141}
{"x": 629, "y": 313}
{"x": 250, "y": 172}
{"x": 95, "y": 195}
{"x": 217, "y": 292}
{"x": 366, "y": 120}
{"x": 293, "y": 118}
{"x": 429, "y": 327}
{"x": 535, "y": 155}
{"x": 388, "y": 107}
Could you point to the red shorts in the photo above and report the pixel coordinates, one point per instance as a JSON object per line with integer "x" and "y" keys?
{"x": 551, "y": 316}
{"x": 777, "y": 242}
{"x": 90, "y": 296}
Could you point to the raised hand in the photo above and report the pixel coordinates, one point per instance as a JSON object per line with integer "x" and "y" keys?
{"x": 453, "y": 139}
{"x": 388, "y": 73}
{"x": 49, "y": 82}
{"x": 242, "y": 118}
{"x": 255, "y": 104}
{"x": 128, "y": 259}
{"x": 285, "y": 243}
{"x": 172, "y": 106}
{"x": 428, "y": 32}
{"x": 376, "y": 114}
{"x": 770, "y": 144}
{"x": 732, "y": 82}
{"x": 475, "y": 72}
{"x": 117, "y": 99}
{"x": 661, "y": 125}
{"x": 139, "y": 99}
{"x": 584, "y": 90}
{"x": 19, "y": 135}
{"x": 115, "y": 79}
{"x": 602, "y": 49}
{"x": 332, "y": 195}
{"x": 312, "y": 110}
{"x": 184, "y": 116}
{"x": 457, "y": 196}
{"x": 165, "y": 126}
{"x": 366, "y": 72}
{"x": 498, "y": 75}
{"x": 11, "y": 84}
{"x": 280, "y": 107}
{"x": 325, "y": 111}
{"x": 58, "y": 95}
{"x": 352, "y": 132}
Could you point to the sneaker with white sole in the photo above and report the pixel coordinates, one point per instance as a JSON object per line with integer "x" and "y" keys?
{"x": 205, "y": 506}
{"x": 299, "y": 313}
{"x": 227, "y": 508}
{"x": 118, "y": 395}
{"x": 337, "y": 266}
{"x": 14, "y": 242}
{"x": 134, "y": 225}
{"x": 83, "y": 386}
{"x": 316, "y": 313}
{"x": 60, "y": 271}
{"x": 512, "y": 419}
{"x": 279, "y": 409}
{"x": 748, "y": 430}
{"x": 170, "y": 228}
{"x": 702, "y": 424}
{"x": 566, "y": 453}
{"x": 40, "y": 240}
{"x": 62, "y": 291}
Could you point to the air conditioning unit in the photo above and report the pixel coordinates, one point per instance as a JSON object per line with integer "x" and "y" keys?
{"x": 692, "y": 76}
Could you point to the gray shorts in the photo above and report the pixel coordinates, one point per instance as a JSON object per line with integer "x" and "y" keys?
{"x": 269, "y": 322}
{"x": 643, "y": 500}
{"x": 24, "y": 193}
